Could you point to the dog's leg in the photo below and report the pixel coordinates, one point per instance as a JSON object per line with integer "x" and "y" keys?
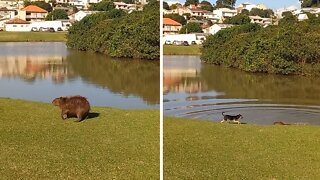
{"x": 222, "y": 121}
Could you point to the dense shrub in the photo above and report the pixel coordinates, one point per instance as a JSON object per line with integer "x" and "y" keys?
{"x": 285, "y": 49}
{"x": 118, "y": 34}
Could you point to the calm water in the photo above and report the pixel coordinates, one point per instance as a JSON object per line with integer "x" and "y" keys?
{"x": 201, "y": 91}
{"x": 43, "y": 71}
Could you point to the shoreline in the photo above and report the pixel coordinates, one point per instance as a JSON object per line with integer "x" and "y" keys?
{"x": 193, "y": 50}
{"x": 33, "y": 36}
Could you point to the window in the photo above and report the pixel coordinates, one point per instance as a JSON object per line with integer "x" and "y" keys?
{"x": 14, "y": 25}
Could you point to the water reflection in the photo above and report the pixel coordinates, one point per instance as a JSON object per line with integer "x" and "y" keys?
{"x": 41, "y": 71}
{"x": 196, "y": 90}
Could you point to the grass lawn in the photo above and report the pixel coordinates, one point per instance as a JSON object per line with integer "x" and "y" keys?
{"x": 32, "y": 36}
{"x": 181, "y": 50}
{"x": 196, "y": 149}
{"x": 37, "y": 144}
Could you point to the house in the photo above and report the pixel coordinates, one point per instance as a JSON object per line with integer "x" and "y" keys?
{"x": 81, "y": 14}
{"x": 32, "y": 13}
{"x": 261, "y": 21}
{"x": 223, "y": 13}
{"x": 171, "y": 26}
{"x": 17, "y": 25}
{"x": 216, "y": 28}
{"x": 124, "y": 6}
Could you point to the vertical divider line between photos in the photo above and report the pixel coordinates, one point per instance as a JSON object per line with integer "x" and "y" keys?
{"x": 161, "y": 89}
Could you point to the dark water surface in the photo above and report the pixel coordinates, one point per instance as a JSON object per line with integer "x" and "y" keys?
{"x": 201, "y": 91}
{"x": 43, "y": 71}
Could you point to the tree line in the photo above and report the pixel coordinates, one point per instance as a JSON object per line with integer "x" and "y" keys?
{"x": 289, "y": 48}
{"x": 118, "y": 34}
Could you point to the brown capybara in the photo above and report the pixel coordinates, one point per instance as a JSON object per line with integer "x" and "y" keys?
{"x": 73, "y": 106}
{"x": 280, "y": 123}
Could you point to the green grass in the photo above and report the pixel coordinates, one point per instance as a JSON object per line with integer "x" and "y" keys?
{"x": 181, "y": 50}
{"x": 32, "y": 36}
{"x": 196, "y": 149}
{"x": 37, "y": 144}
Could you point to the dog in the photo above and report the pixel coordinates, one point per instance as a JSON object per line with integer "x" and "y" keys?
{"x": 230, "y": 118}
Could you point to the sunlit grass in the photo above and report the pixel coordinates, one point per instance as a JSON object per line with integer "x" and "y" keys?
{"x": 195, "y": 149}
{"x": 181, "y": 50}
{"x": 37, "y": 144}
{"x": 32, "y": 36}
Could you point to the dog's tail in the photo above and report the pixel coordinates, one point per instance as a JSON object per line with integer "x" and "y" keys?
{"x": 222, "y": 113}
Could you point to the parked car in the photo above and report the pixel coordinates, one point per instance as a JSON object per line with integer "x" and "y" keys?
{"x": 185, "y": 43}
{"x": 51, "y": 29}
{"x": 34, "y": 29}
{"x": 43, "y": 29}
{"x": 178, "y": 43}
{"x": 168, "y": 42}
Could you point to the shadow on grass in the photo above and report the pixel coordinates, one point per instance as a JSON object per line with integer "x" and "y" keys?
{"x": 93, "y": 115}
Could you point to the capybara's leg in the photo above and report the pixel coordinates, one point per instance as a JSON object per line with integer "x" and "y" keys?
{"x": 64, "y": 115}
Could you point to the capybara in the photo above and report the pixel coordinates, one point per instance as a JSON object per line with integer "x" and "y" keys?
{"x": 280, "y": 123}
{"x": 73, "y": 106}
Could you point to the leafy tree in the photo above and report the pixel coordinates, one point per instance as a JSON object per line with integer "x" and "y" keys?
{"x": 173, "y": 6}
{"x": 176, "y": 17}
{"x": 104, "y": 5}
{"x": 191, "y": 27}
{"x": 166, "y": 5}
{"x": 238, "y": 19}
{"x": 188, "y": 2}
{"x": 57, "y": 14}
{"x": 225, "y": 3}
{"x": 206, "y": 5}
{"x": 245, "y": 12}
{"x": 309, "y": 3}
{"x": 134, "y": 35}
{"x": 268, "y": 13}
{"x": 288, "y": 18}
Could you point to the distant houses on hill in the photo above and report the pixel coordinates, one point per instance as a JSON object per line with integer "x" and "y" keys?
{"x": 218, "y": 16}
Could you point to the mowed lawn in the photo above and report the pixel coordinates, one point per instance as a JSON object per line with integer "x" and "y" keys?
{"x": 196, "y": 149}
{"x": 115, "y": 144}
{"x": 181, "y": 50}
{"x": 32, "y": 36}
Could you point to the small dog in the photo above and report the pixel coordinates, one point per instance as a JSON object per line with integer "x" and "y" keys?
{"x": 234, "y": 119}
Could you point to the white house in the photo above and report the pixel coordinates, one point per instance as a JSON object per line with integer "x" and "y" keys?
{"x": 17, "y": 25}
{"x": 223, "y": 13}
{"x": 81, "y": 14}
{"x": 262, "y": 21}
{"x": 216, "y": 28}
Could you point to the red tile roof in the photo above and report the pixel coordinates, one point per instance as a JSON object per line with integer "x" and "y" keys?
{"x": 168, "y": 21}
{"x": 17, "y": 21}
{"x": 33, "y": 8}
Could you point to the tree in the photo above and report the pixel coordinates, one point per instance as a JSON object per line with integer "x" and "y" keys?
{"x": 57, "y": 14}
{"x": 268, "y": 13}
{"x": 309, "y": 3}
{"x": 225, "y": 3}
{"x": 173, "y": 6}
{"x": 166, "y": 5}
{"x": 245, "y": 12}
{"x": 238, "y": 19}
{"x": 288, "y": 18}
{"x": 191, "y": 27}
{"x": 104, "y": 5}
{"x": 206, "y": 5}
{"x": 188, "y": 2}
{"x": 176, "y": 17}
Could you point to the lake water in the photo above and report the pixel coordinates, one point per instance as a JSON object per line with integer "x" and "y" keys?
{"x": 200, "y": 91}
{"x": 44, "y": 71}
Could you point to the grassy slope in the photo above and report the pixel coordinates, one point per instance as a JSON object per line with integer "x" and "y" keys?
{"x": 37, "y": 144}
{"x": 32, "y": 36}
{"x": 205, "y": 150}
{"x": 181, "y": 50}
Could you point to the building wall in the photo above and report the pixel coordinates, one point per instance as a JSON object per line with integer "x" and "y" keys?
{"x": 18, "y": 27}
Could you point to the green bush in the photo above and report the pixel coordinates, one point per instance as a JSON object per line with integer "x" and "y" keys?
{"x": 118, "y": 34}
{"x": 284, "y": 49}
